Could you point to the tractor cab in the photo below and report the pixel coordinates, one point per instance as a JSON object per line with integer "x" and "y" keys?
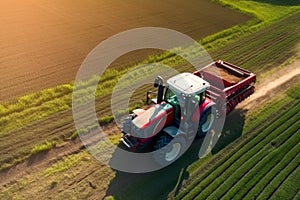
{"x": 185, "y": 92}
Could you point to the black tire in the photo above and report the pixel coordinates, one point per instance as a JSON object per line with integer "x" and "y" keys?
{"x": 206, "y": 122}
{"x": 170, "y": 153}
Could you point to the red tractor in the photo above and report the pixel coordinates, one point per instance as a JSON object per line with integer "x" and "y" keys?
{"x": 188, "y": 104}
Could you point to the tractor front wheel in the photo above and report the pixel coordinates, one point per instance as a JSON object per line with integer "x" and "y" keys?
{"x": 207, "y": 120}
{"x": 169, "y": 149}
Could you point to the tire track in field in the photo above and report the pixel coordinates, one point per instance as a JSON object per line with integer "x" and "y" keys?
{"x": 269, "y": 84}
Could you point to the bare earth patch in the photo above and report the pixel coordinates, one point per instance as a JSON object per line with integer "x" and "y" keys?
{"x": 43, "y": 43}
{"x": 266, "y": 89}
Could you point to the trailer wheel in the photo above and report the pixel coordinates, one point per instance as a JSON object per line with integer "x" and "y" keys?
{"x": 170, "y": 153}
{"x": 206, "y": 122}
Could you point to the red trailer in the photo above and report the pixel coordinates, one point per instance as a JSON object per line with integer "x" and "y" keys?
{"x": 236, "y": 83}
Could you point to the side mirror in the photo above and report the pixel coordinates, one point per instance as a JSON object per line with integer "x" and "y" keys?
{"x": 158, "y": 81}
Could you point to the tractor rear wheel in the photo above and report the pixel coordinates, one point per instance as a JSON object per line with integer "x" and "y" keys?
{"x": 206, "y": 122}
{"x": 170, "y": 149}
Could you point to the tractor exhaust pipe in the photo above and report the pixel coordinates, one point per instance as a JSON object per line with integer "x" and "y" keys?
{"x": 159, "y": 83}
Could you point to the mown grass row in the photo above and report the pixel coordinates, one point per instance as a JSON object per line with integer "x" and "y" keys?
{"x": 275, "y": 183}
{"x": 64, "y": 164}
{"x": 49, "y": 101}
{"x": 248, "y": 174}
{"x": 289, "y": 189}
{"x": 242, "y": 155}
{"x": 289, "y": 161}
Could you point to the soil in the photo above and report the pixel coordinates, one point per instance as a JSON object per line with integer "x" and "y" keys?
{"x": 224, "y": 74}
{"x": 44, "y": 42}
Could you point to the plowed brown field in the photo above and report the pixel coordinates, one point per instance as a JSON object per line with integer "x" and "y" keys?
{"x": 42, "y": 43}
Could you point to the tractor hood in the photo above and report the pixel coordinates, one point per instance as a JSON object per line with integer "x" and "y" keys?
{"x": 152, "y": 120}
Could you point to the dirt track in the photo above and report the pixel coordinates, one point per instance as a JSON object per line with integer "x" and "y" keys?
{"x": 265, "y": 89}
{"x": 42, "y": 43}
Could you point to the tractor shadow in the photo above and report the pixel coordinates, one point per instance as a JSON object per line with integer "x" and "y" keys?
{"x": 232, "y": 129}
{"x": 167, "y": 182}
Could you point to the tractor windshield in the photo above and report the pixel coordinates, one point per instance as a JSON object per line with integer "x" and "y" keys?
{"x": 170, "y": 97}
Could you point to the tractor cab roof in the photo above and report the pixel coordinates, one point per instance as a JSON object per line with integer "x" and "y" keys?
{"x": 187, "y": 83}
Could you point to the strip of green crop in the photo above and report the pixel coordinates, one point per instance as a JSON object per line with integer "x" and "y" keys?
{"x": 252, "y": 171}
{"x": 64, "y": 164}
{"x": 297, "y": 196}
{"x": 289, "y": 159}
{"x": 49, "y": 101}
{"x": 279, "y": 179}
{"x": 258, "y": 116}
{"x": 254, "y": 122}
{"x": 261, "y": 169}
{"x": 230, "y": 175}
{"x": 280, "y": 166}
{"x": 266, "y": 11}
{"x": 251, "y": 142}
{"x": 289, "y": 187}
